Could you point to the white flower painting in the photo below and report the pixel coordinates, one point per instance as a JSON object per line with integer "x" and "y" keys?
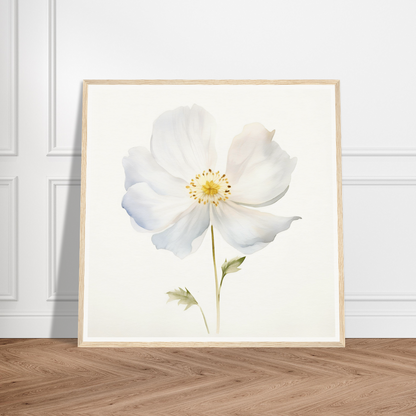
{"x": 175, "y": 192}
{"x": 211, "y": 213}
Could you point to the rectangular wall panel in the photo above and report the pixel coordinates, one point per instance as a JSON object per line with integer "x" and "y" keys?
{"x": 8, "y": 78}
{"x": 380, "y": 238}
{"x": 63, "y": 238}
{"x": 379, "y": 244}
{"x": 65, "y": 141}
{"x": 8, "y": 238}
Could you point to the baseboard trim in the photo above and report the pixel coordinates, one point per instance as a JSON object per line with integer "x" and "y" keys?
{"x": 379, "y": 326}
{"x": 38, "y": 326}
{"x": 367, "y": 324}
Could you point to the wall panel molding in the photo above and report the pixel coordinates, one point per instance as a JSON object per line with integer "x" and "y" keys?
{"x": 374, "y": 297}
{"x": 11, "y": 185}
{"x": 11, "y": 150}
{"x": 29, "y": 314}
{"x": 379, "y": 151}
{"x": 381, "y": 297}
{"x": 52, "y": 146}
{"x": 378, "y": 180}
{"x": 381, "y": 314}
{"x": 53, "y": 293}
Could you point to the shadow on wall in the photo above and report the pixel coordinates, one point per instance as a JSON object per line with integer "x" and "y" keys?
{"x": 64, "y": 323}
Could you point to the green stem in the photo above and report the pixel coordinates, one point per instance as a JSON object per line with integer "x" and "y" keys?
{"x": 203, "y": 315}
{"x": 217, "y": 295}
{"x": 219, "y": 289}
{"x": 222, "y": 279}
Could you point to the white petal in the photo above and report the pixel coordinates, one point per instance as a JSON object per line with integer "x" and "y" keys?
{"x": 185, "y": 236}
{"x": 198, "y": 241}
{"x": 151, "y": 211}
{"x": 140, "y": 166}
{"x": 264, "y": 204}
{"x": 183, "y": 141}
{"x": 246, "y": 229}
{"x": 257, "y": 168}
{"x": 138, "y": 228}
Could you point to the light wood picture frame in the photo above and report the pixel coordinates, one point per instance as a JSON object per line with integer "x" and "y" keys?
{"x": 211, "y": 214}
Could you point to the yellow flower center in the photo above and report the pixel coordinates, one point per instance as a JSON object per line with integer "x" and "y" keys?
{"x": 209, "y": 187}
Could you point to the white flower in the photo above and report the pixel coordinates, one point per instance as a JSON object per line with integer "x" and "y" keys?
{"x": 175, "y": 192}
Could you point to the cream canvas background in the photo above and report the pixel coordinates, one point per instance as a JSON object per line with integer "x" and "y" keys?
{"x": 287, "y": 291}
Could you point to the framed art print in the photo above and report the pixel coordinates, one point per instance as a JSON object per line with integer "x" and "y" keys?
{"x": 211, "y": 214}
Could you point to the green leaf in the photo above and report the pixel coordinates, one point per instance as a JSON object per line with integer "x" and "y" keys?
{"x": 183, "y": 296}
{"x": 232, "y": 265}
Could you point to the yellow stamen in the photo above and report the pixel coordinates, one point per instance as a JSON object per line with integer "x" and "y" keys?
{"x": 209, "y": 187}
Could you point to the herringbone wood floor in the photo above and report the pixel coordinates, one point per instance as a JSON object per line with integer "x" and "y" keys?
{"x": 54, "y": 377}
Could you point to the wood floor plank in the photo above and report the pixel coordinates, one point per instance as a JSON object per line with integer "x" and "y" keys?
{"x": 52, "y": 377}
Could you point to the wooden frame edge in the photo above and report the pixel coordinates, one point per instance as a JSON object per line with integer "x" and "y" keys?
{"x": 82, "y": 216}
{"x": 210, "y": 82}
{"x": 340, "y": 213}
{"x": 254, "y": 344}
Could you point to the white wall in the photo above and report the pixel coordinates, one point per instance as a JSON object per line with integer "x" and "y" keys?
{"x": 48, "y": 47}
